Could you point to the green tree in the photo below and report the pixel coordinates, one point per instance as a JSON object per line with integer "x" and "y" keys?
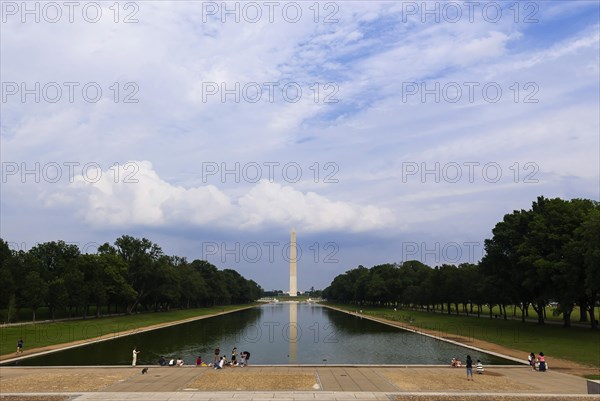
{"x": 141, "y": 256}
{"x": 508, "y": 276}
{"x": 217, "y": 288}
{"x": 589, "y": 238}
{"x": 34, "y": 292}
{"x": 114, "y": 277}
{"x": 53, "y": 259}
{"x": 551, "y": 248}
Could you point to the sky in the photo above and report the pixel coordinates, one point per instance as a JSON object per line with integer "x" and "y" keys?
{"x": 380, "y": 131}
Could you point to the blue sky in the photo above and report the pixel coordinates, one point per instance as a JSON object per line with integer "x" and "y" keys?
{"x": 406, "y": 151}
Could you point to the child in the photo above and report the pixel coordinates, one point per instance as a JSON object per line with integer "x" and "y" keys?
{"x": 531, "y": 359}
{"x": 479, "y": 367}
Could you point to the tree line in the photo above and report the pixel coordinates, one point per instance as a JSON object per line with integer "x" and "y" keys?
{"x": 549, "y": 253}
{"x": 132, "y": 274}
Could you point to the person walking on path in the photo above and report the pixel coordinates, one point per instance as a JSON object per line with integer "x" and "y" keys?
{"x": 135, "y": 352}
{"x": 20, "y": 346}
{"x": 469, "y": 368}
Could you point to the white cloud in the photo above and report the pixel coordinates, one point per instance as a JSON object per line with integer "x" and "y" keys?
{"x": 144, "y": 199}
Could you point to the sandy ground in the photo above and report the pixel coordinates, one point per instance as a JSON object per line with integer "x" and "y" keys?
{"x": 30, "y": 398}
{"x": 486, "y": 398}
{"x": 240, "y": 380}
{"x": 452, "y": 380}
{"x": 62, "y": 382}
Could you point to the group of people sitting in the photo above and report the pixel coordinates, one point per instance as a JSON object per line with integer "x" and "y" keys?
{"x": 221, "y": 361}
{"x": 172, "y": 362}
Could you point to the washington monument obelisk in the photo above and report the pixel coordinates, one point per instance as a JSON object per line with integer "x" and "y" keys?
{"x": 293, "y": 281}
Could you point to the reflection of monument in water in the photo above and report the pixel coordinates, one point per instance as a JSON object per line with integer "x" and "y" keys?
{"x": 293, "y": 337}
{"x": 293, "y": 332}
{"x": 293, "y": 279}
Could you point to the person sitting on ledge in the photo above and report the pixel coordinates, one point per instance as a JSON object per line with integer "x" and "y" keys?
{"x": 221, "y": 363}
{"x": 479, "y": 367}
{"x": 162, "y": 361}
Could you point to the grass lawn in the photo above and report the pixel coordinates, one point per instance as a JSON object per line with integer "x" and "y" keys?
{"x": 576, "y": 344}
{"x": 550, "y": 313}
{"x": 44, "y": 334}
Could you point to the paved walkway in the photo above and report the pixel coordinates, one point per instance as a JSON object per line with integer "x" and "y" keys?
{"x": 335, "y": 383}
{"x": 302, "y": 396}
{"x": 353, "y": 379}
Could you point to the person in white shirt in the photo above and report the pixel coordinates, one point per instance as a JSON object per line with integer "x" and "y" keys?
{"x": 135, "y": 352}
{"x": 479, "y": 367}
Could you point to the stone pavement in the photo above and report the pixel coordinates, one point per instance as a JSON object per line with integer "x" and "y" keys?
{"x": 157, "y": 380}
{"x": 295, "y": 396}
{"x": 353, "y": 379}
{"x": 335, "y": 382}
{"x": 361, "y": 379}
